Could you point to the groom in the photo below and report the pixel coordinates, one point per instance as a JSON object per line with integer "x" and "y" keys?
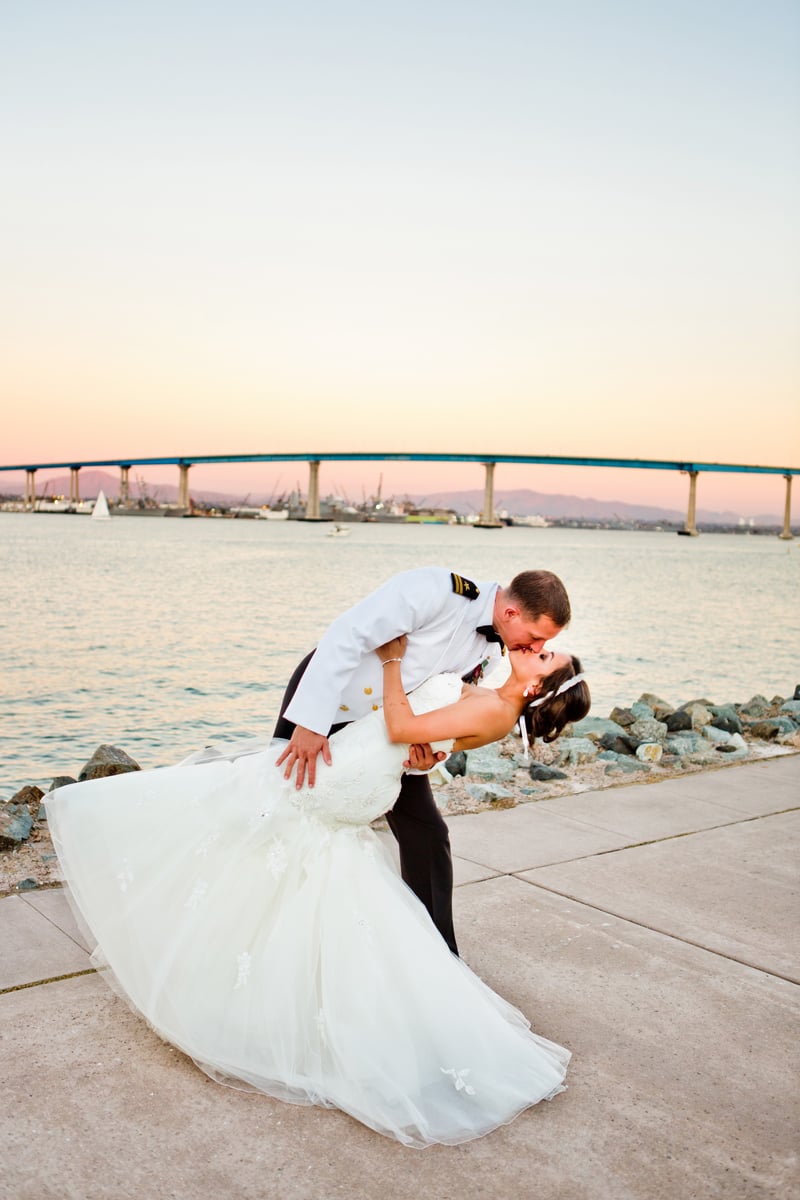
{"x": 453, "y": 625}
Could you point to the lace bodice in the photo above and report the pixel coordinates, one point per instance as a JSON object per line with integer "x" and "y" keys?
{"x": 362, "y": 782}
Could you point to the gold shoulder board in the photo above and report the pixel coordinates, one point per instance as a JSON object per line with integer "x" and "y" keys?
{"x": 464, "y": 587}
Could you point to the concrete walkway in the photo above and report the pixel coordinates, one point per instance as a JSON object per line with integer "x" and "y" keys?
{"x": 649, "y": 928}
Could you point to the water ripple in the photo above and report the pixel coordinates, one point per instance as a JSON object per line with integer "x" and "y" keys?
{"x": 159, "y": 635}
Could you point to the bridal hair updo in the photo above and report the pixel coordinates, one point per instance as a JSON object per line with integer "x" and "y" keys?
{"x": 548, "y": 712}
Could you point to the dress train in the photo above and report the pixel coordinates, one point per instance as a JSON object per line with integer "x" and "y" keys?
{"x": 265, "y": 932}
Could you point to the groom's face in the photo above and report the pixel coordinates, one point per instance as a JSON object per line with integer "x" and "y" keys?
{"x": 520, "y": 632}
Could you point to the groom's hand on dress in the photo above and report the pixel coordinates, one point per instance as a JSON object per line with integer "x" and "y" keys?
{"x": 302, "y": 752}
{"x": 422, "y": 758}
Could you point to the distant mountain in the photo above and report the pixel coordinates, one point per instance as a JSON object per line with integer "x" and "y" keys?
{"x": 524, "y": 502}
{"x": 520, "y": 502}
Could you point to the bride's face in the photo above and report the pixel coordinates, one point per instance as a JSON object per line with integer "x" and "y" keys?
{"x": 530, "y": 667}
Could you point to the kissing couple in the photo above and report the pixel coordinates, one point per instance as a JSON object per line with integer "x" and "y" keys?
{"x": 266, "y": 932}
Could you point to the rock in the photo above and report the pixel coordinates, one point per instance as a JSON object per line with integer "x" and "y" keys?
{"x": 699, "y": 713}
{"x": 625, "y": 766}
{"x": 456, "y": 764}
{"x": 108, "y": 760}
{"x": 726, "y": 717}
{"x": 642, "y": 711}
{"x": 796, "y": 695}
{"x": 792, "y": 709}
{"x": 27, "y": 885}
{"x": 702, "y": 757}
{"x": 659, "y": 707}
{"x": 767, "y": 731}
{"x": 649, "y": 752}
{"x": 648, "y": 729}
{"x": 488, "y": 763}
{"x": 756, "y": 706}
{"x": 31, "y": 797}
{"x": 575, "y": 751}
{"x": 543, "y": 774}
{"x": 622, "y": 716}
{"x": 620, "y": 745}
{"x": 61, "y": 781}
{"x": 597, "y": 728}
{"x": 16, "y": 824}
{"x": 678, "y": 720}
{"x": 684, "y": 743}
{"x": 734, "y": 748}
{"x": 718, "y": 736}
{"x": 491, "y": 792}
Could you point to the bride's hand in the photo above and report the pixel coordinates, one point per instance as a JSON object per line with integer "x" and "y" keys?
{"x": 395, "y": 648}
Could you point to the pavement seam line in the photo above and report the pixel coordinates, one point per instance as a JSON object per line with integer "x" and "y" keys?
{"x": 670, "y": 837}
{"x": 741, "y": 819}
{"x": 674, "y": 937}
{"x": 65, "y": 932}
{"x": 20, "y": 987}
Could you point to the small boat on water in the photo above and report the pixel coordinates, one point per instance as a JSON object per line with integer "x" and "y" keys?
{"x": 339, "y": 531}
{"x": 272, "y": 514}
{"x": 100, "y": 511}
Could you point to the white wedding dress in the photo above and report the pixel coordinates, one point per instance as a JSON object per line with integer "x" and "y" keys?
{"x": 265, "y": 932}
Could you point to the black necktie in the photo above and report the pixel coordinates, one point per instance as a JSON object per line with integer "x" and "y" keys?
{"x": 490, "y": 633}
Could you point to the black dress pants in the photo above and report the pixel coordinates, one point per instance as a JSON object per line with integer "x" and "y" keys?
{"x": 420, "y": 829}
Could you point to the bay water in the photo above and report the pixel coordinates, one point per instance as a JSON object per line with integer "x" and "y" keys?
{"x": 163, "y": 635}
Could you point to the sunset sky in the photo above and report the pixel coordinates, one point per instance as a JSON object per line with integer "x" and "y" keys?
{"x": 509, "y": 227}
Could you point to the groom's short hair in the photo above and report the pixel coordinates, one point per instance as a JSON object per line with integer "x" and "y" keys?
{"x": 541, "y": 594}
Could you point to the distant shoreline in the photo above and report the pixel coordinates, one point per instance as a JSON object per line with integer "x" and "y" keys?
{"x": 588, "y": 523}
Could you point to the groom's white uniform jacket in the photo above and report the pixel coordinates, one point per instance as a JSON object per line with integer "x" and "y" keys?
{"x": 344, "y": 679}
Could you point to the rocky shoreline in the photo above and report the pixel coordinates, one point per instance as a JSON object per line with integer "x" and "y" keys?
{"x": 647, "y": 742}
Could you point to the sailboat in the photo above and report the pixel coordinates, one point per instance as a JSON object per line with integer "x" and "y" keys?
{"x": 100, "y": 511}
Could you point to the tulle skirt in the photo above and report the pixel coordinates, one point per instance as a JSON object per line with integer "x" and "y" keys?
{"x": 283, "y": 953}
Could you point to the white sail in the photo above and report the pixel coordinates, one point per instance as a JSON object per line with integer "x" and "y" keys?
{"x": 100, "y": 511}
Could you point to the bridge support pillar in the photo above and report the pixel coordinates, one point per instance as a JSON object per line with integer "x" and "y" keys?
{"x": 488, "y": 516}
{"x": 74, "y": 485}
{"x": 312, "y": 504}
{"x": 690, "y": 528}
{"x": 786, "y": 532}
{"x": 183, "y": 485}
{"x": 30, "y": 490}
{"x": 124, "y": 485}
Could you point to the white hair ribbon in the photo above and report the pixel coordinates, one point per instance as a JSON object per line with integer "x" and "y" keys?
{"x": 569, "y": 683}
{"x": 523, "y": 733}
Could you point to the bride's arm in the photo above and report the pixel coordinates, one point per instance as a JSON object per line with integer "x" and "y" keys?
{"x": 475, "y": 720}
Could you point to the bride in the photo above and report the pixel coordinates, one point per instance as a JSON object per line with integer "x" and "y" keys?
{"x": 264, "y": 931}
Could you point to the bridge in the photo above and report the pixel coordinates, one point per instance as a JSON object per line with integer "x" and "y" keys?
{"x": 488, "y": 519}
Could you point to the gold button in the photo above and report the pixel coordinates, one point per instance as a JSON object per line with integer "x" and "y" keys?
{"x": 343, "y": 708}
{"x": 367, "y": 691}
{"x": 375, "y": 707}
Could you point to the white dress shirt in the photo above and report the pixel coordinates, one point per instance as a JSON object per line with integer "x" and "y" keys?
{"x": 344, "y": 679}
